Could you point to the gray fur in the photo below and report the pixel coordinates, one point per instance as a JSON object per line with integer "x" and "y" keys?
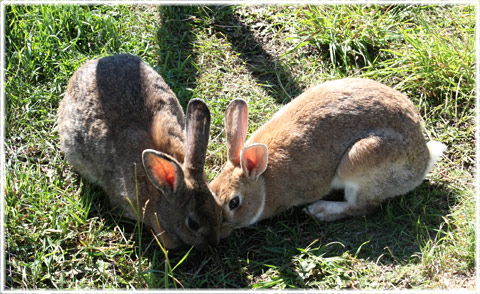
{"x": 115, "y": 108}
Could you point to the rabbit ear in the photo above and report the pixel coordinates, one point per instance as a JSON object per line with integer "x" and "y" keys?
{"x": 236, "y": 123}
{"x": 197, "y": 131}
{"x": 163, "y": 171}
{"x": 254, "y": 160}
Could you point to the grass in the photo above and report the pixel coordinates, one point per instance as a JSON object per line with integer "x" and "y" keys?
{"x": 61, "y": 234}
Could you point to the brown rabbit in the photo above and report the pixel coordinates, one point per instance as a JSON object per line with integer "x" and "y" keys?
{"x": 352, "y": 134}
{"x": 122, "y": 127}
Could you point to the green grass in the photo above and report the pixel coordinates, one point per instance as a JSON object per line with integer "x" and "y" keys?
{"x": 61, "y": 234}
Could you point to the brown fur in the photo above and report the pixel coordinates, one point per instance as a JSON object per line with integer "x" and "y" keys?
{"x": 114, "y": 109}
{"x": 349, "y": 132}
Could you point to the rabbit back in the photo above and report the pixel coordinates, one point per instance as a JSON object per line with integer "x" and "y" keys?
{"x": 312, "y": 134}
{"x": 110, "y": 99}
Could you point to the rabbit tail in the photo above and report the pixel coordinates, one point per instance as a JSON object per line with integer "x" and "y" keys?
{"x": 435, "y": 149}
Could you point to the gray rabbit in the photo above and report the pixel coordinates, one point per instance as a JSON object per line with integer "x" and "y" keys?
{"x": 122, "y": 127}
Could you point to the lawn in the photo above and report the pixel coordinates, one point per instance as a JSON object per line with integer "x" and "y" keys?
{"x": 60, "y": 232}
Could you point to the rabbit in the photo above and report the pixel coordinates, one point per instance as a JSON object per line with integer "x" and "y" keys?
{"x": 352, "y": 134}
{"x": 121, "y": 126}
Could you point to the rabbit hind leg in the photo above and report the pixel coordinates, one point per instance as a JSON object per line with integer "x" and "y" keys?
{"x": 325, "y": 210}
{"x": 373, "y": 169}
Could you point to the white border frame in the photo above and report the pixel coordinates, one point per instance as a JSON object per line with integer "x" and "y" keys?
{"x": 210, "y": 2}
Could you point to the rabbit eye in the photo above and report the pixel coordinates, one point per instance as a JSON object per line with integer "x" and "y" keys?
{"x": 234, "y": 203}
{"x": 192, "y": 224}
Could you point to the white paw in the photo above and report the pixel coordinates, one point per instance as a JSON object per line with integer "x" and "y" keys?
{"x": 314, "y": 212}
{"x": 327, "y": 210}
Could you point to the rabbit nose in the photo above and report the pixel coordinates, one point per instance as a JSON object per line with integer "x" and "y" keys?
{"x": 210, "y": 236}
{"x": 209, "y": 240}
{"x": 213, "y": 240}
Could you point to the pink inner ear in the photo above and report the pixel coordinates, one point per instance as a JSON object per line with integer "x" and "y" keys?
{"x": 163, "y": 171}
{"x": 250, "y": 164}
{"x": 254, "y": 160}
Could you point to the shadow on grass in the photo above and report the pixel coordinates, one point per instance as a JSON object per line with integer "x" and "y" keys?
{"x": 176, "y": 64}
{"x": 176, "y": 37}
{"x": 266, "y": 68}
